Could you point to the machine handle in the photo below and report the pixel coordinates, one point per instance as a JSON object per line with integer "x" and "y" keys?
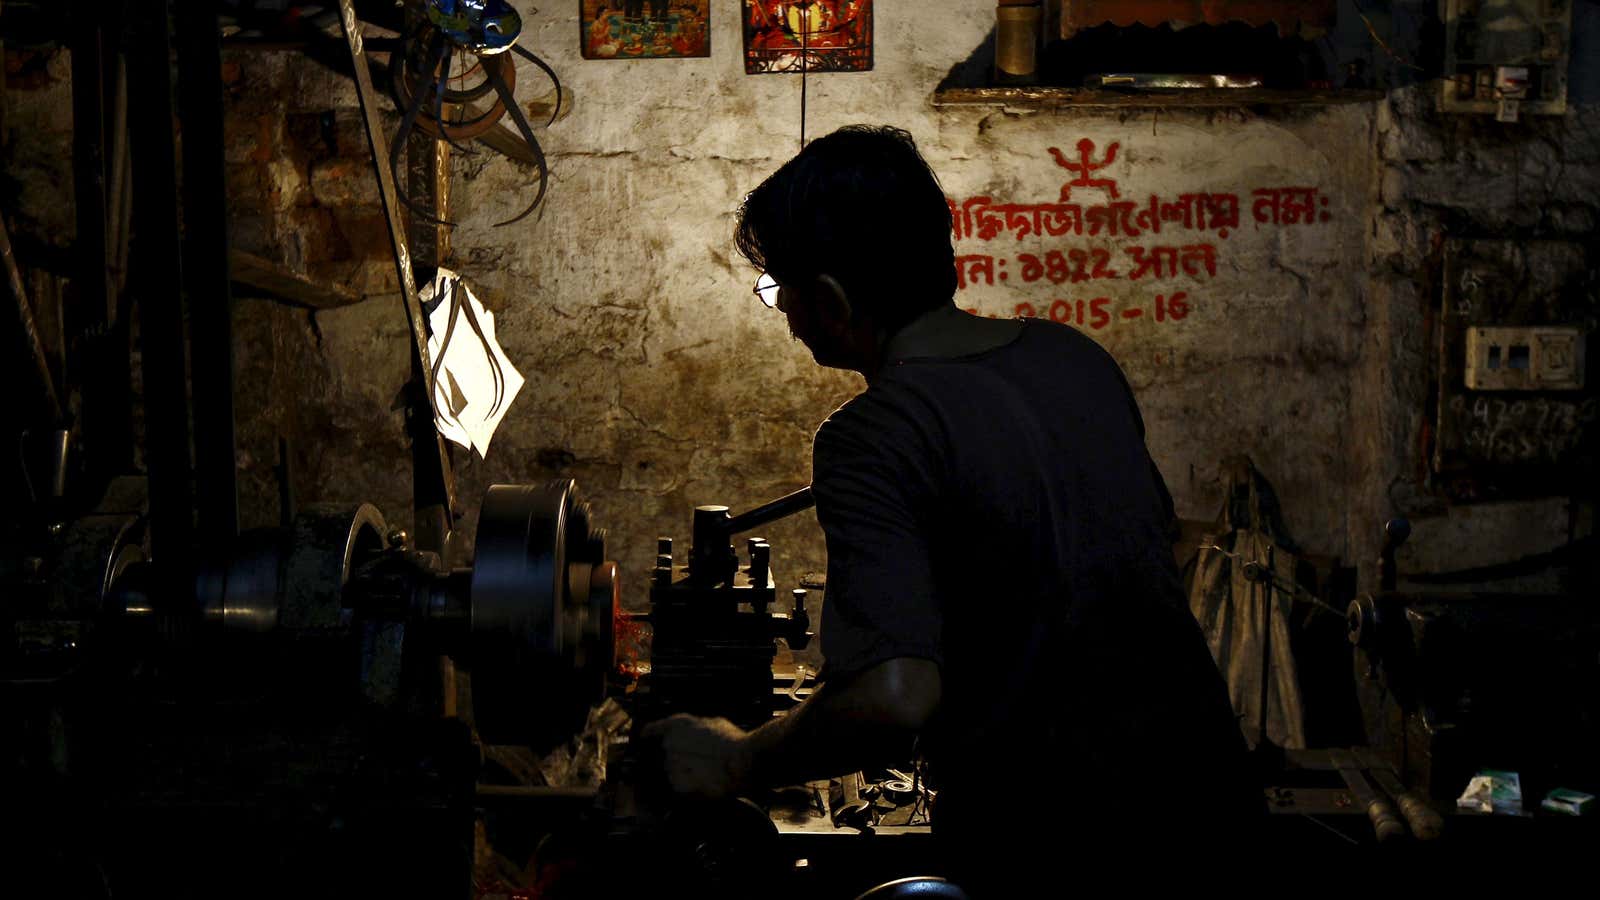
{"x": 1425, "y": 822}
{"x": 1385, "y": 821}
{"x": 786, "y": 505}
{"x": 1395, "y": 532}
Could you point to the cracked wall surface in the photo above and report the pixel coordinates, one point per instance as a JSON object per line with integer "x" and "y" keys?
{"x": 658, "y": 382}
{"x": 1440, "y": 177}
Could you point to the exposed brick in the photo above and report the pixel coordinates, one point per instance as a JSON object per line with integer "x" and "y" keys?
{"x": 344, "y": 181}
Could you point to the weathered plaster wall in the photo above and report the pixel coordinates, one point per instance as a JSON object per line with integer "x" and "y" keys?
{"x": 1457, "y": 177}
{"x": 658, "y": 382}
{"x": 299, "y": 172}
{"x": 38, "y": 141}
{"x": 302, "y": 193}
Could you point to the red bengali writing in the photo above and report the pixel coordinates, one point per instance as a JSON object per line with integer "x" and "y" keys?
{"x": 1169, "y": 262}
{"x": 1091, "y": 264}
{"x": 1097, "y": 313}
{"x": 1289, "y": 206}
{"x": 981, "y": 218}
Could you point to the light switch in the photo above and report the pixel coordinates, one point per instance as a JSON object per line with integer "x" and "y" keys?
{"x": 1537, "y": 358}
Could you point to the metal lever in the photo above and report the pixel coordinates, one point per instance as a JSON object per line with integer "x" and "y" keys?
{"x": 786, "y": 505}
{"x": 1395, "y": 533}
{"x": 711, "y": 558}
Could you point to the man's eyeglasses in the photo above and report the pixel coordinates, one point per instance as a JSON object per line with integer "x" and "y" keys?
{"x": 767, "y": 289}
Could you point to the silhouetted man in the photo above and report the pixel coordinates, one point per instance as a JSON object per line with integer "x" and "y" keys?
{"x": 1001, "y": 588}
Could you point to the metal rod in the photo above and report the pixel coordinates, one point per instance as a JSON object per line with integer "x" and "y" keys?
{"x": 118, "y": 195}
{"x": 805, "y": 51}
{"x": 101, "y": 352}
{"x": 158, "y": 281}
{"x": 536, "y": 792}
{"x": 786, "y": 505}
{"x": 285, "y": 473}
{"x": 3, "y": 103}
{"x": 433, "y": 484}
{"x": 1395, "y": 532}
{"x": 92, "y": 287}
{"x": 30, "y": 327}
{"x": 206, "y": 279}
{"x": 119, "y": 250}
{"x": 428, "y": 185}
{"x": 1268, "y": 589}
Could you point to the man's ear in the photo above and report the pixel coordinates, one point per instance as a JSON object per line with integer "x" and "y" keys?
{"x": 833, "y": 300}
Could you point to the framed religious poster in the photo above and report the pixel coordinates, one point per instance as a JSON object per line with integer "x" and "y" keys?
{"x": 645, "y": 29}
{"x": 814, "y": 35}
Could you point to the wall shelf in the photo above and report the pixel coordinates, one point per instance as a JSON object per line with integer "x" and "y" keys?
{"x": 254, "y": 276}
{"x": 1051, "y": 98}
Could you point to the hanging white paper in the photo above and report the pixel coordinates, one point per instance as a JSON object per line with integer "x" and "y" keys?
{"x": 469, "y": 400}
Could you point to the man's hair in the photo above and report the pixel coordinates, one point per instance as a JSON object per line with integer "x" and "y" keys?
{"x": 861, "y": 205}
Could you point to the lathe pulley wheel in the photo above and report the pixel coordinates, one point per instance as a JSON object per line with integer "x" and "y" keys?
{"x": 543, "y": 601}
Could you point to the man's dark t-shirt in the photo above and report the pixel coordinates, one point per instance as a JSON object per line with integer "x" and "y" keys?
{"x": 999, "y": 514}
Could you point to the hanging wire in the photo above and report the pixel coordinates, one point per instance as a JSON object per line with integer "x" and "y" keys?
{"x": 1332, "y": 830}
{"x": 805, "y": 30}
{"x": 1380, "y": 42}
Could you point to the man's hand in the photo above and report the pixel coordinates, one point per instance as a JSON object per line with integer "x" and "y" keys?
{"x": 871, "y": 718}
{"x": 702, "y": 757}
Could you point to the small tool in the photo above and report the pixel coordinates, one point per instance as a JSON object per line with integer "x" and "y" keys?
{"x": 851, "y": 811}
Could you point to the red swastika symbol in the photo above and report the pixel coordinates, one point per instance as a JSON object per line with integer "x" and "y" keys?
{"x": 1085, "y": 167}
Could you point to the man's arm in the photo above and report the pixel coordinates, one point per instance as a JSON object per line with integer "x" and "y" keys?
{"x": 881, "y": 619}
{"x": 871, "y": 718}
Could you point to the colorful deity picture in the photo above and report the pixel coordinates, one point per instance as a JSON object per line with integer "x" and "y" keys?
{"x": 818, "y": 35}
{"x": 645, "y": 29}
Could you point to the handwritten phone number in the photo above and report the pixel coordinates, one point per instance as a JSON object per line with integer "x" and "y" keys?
{"x": 1501, "y": 430}
{"x": 1097, "y": 313}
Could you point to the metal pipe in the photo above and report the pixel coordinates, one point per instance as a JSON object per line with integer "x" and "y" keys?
{"x": 205, "y": 272}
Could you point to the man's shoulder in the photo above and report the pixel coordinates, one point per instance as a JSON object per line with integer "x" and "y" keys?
{"x": 885, "y": 409}
{"x": 845, "y": 430}
{"x": 1059, "y": 338}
